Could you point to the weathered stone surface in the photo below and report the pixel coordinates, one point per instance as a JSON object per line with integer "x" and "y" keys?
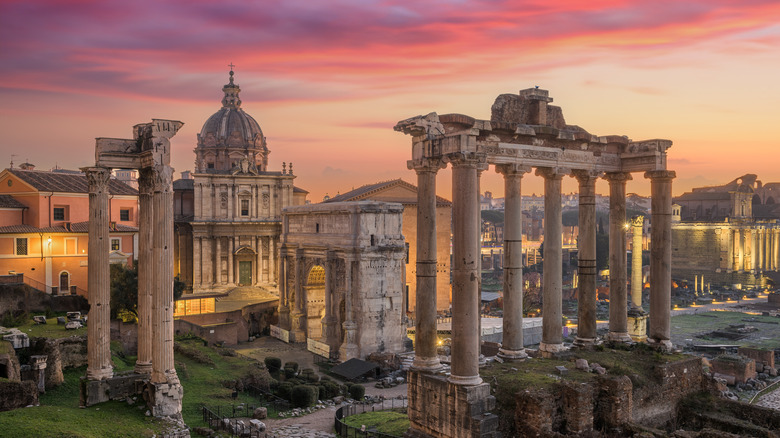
{"x": 577, "y": 407}
{"x": 581, "y": 364}
{"x": 18, "y": 394}
{"x": 740, "y": 367}
{"x": 762, "y": 356}
{"x": 260, "y": 413}
{"x": 614, "y": 403}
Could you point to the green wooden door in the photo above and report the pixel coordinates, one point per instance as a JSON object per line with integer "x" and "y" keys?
{"x": 245, "y": 273}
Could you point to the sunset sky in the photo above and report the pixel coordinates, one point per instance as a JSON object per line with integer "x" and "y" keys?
{"x": 328, "y": 80}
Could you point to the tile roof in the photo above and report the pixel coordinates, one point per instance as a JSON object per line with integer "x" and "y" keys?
{"x": 77, "y": 227}
{"x": 184, "y": 184}
{"x": 365, "y": 192}
{"x": 67, "y": 182}
{"x": 8, "y": 201}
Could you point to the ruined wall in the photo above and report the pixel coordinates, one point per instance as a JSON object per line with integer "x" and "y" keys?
{"x": 126, "y": 334}
{"x": 18, "y": 395}
{"x": 23, "y": 298}
{"x": 695, "y": 249}
{"x": 655, "y": 404}
{"x": 740, "y": 367}
{"x": 765, "y": 357}
{"x": 227, "y": 332}
{"x": 248, "y": 321}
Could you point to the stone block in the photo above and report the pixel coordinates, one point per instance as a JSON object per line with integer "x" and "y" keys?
{"x": 614, "y": 402}
{"x": 577, "y": 407}
{"x": 260, "y": 413}
{"x": 581, "y": 364}
{"x": 18, "y": 395}
{"x": 742, "y": 368}
{"x": 762, "y": 356}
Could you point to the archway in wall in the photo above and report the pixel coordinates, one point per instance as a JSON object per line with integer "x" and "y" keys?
{"x": 770, "y": 200}
{"x": 756, "y": 200}
{"x": 315, "y": 301}
{"x": 64, "y": 282}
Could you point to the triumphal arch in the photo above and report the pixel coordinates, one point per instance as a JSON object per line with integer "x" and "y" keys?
{"x": 524, "y": 133}
{"x": 149, "y": 151}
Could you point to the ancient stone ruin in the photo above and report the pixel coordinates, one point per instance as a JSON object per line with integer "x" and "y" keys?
{"x": 524, "y": 132}
{"x": 155, "y": 376}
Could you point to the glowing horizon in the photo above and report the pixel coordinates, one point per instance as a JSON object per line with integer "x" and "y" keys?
{"x": 328, "y": 81}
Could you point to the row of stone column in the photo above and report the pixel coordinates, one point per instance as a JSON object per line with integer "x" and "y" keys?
{"x": 155, "y": 275}
{"x": 466, "y": 253}
{"x": 210, "y": 262}
{"x": 755, "y": 249}
{"x": 262, "y": 203}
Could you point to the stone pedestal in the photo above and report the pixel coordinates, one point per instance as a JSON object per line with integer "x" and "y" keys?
{"x": 637, "y": 325}
{"x": 38, "y": 363}
{"x": 164, "y": 399}
{"x": 298, "y": 327}
{"x": 440, "y": 409}
{"x": 349, "y": 349}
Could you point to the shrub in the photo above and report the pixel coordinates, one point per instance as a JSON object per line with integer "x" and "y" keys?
{"x": 289, "y": 373}
{"x": 273, "y": 364}
{"x": 284, "y": 390}
{"x": 309, "y": 375}
{"x": 304, "y": 396}
{"x": 329, "y": 390}
{"x": 357, "y": 392}
{"x": 293, "y": 365}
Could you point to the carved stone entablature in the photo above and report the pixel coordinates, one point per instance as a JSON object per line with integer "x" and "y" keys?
{"x": 417, "y": 126}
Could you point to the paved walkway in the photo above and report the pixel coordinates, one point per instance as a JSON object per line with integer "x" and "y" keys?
{"x": 771, "y": 400}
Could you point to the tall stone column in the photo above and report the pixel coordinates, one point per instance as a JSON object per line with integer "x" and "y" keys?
{"x": 99, "y": 365}
{"x": 330, "y": 321}
{"x": 512, "y": 347}
{"x": 465, "y": 284}
{"x": 218, "y": 261}
{"x": 618, "y": 296}
{"x": 775, "y": 249}
{"x": 197, "y": 263}
{"x": 230, "y": 249}
{"x": 759, "y": 249}
{"x": 143, "y": 364}
{"x": 729, "y": 249}
{"x": 259, "y": 261}
{"x": 425, "y": 358}
{"x": 660, "y": 257}
{"x": 637, "y": 318}
{"x": 586, "y": 261}
{"x": 349, "y": 349}
{"x": 552, "y": 271}
{"x": 284, "y": 291}
{"x": 163, "y": 370}
{"x": 272, "y": 258}
{"x": 741, "y": 247}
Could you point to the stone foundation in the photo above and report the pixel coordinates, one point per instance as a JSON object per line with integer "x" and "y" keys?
{"x": 740, "y": 367}
{"x": 118, "y": 387}
{"x": 164, "y": 399}
{"x": 439, "y": 409}
{"x": 18, "y": 395}
{"x": 637, "y": 326}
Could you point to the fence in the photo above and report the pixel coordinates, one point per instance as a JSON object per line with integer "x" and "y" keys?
{"x": 230, "y": 425}
{"x": 346, "y": 431}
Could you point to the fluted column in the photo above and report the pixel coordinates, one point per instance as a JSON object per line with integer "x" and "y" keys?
{"x": 259, "y": 261}
{"x": 465, "y": 284}
{"x": 618, "y": 296}
{"x": 272, "y": 258}
{"x": 230, "y": 249}
{"x": 162, "y": 277}
{"x": 99, "y": 365}
{"x": 775, "y": 249}
{"x": 299, "y": 312}
{"x": 586, "y": 260}
{"x": 349, "y": 348}
{"x": 660, "y": 257}
{"x": 218, "y": 261}
{"x": 425, "y": 358}
{"x": 145, "y": 267}
{"x": 552, "y": 271}
{"x": 760, "y": 249}
{"x": 741, "y": 247}
{"x": 512, "y": 347}
{"x": 197, "y": 263}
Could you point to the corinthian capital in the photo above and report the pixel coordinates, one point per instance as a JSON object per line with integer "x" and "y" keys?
{"x": 512, "y": 169}
{"x": 145, "y": 181}
{"x": 97, "y": 178}
{"x": 616, "y": 177}
{"x": 552, "y": 172}
{"x": 426, "y": 165}
{"x": 661, "y": 174}
{"x": 163, "y": 178}
{"x": 468, "y": 159}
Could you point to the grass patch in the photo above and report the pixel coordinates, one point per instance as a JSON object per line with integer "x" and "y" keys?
{"x": 49, "y": 330}
{"x": 388, "y": 422}
{"x": 697, "y": 328}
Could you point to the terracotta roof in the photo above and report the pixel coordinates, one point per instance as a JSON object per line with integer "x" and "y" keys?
{"x": 8, "y": 201}
{"x": 67, "y": 182}
{"x": 299, "y": 190}
{"x": 367, "y": 190}
{"x": 184, "y": 184}
{"x": 77, "y": 227}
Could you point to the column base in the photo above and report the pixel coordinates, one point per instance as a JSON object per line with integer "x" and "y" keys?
{"x": 661, "y": 344}
{"x": 512, "y": 355}
{"x": 549, "y": 351}
{"x": 100, "y": 373}
{"x": 164, "y": 399}
{"x": 426, "y": 364}
{"x": 464, "y": 380}
{"x": 618, "y": 337}
{"x": 584, "y": 342}
{"x": 143, "y": 368}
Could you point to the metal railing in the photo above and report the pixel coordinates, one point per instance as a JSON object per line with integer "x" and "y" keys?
{"x": 35, "y": 284}
{"x": 217, "y": 421}
{"x": 346, "y": 431}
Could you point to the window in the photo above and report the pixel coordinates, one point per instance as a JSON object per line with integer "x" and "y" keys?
{"x": 210, "y": 165}
{"x": 115, "y": 244}
{"x": 58, "y": 214}
{"x": 124, "y": 214}
{"x": 244, "y": 207}
{"x": 21, "y": 246}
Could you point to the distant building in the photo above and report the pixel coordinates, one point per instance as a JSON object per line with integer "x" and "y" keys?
{"x": 730, "y": 234}
{"x": 43, "y": 227}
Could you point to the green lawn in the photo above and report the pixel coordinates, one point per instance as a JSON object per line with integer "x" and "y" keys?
{"x": 49, "y": 330}
{"x": 59, "y": 414}
{"x": 389, "y": 422}
{"x": 697, "y": 329}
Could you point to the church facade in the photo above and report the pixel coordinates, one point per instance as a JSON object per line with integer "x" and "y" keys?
{"x": 228, "y": 214}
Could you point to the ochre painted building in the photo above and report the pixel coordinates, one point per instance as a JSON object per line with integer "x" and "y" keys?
{"x": 43, "y": 227}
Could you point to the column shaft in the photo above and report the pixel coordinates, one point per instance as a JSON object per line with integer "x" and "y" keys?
{"x": 586, "y": 260}
{"x": 99, "y": 365}
{"x": 512, "y": 347}
{"x": 552, "y": 271}
{"x": 162, "y": 276}
{"x": 426, "y": 358}
{"x": 145, "y": 266}
{"x": 618, "y": 296}
{"x": 465, "y": 284}
{"x": 660, "y": 257}
{"x": 230, "y": 250}
{"x": 636, "y": 262}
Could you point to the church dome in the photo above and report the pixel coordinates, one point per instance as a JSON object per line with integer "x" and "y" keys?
{"x": 229, "y": 135}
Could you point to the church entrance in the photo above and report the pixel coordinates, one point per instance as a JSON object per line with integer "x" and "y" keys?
{"x": 244, "y": 273}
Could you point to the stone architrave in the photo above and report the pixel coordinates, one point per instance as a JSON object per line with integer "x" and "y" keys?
{"x": 426, "y": 358}
{"x": 618, "y": 295}
{"x": 512, "y": 347}
{"x": 143, "y": 364}
{"x": 660, "y": 257}
{"x": 586, "y": 260}
{"x": 465, "y": 269}
{"x": 99, "y": 365}
{"x": 552, "y": 284}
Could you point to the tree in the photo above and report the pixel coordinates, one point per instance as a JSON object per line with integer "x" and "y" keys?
{"x": 124, "y": 291}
